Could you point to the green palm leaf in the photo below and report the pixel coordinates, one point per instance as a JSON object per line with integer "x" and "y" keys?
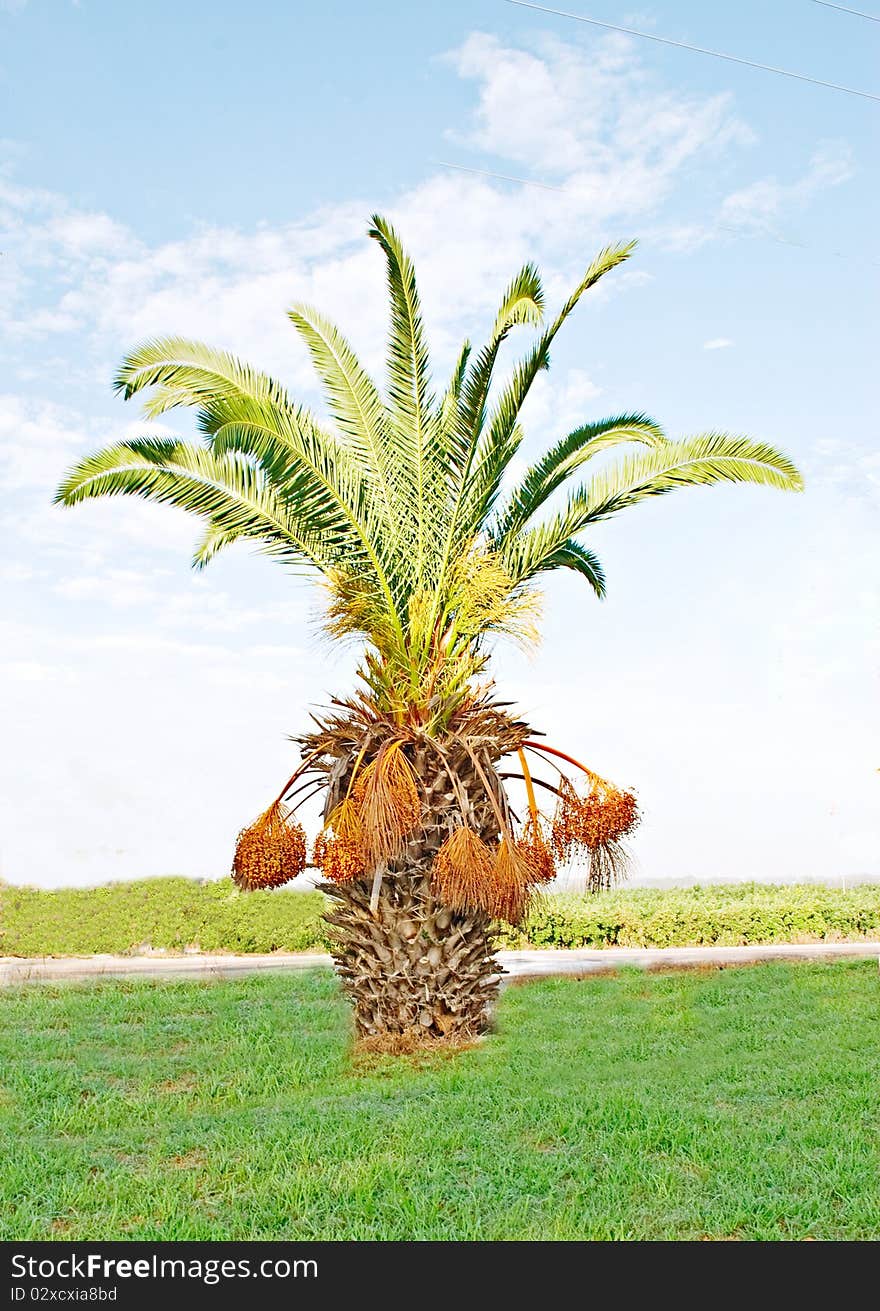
{"x": 187, "y": 373}
{"x": 562, "y": 460}
{"x": 522, "y": 304}
{"x": 353, "y": 400}
{"x": 502, "y": 440}
{"x": 229, "y": 492}
{"x": 697, "y": 461}
{"x": 532, "y": 554}
{"x": 411, "y": 404}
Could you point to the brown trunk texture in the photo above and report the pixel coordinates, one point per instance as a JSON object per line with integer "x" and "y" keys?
{"x": 412, "y": 967}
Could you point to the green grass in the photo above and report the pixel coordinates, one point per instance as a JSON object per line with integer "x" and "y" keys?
{"x": 173, "y": 913}
{"x": 733, "y": 1104}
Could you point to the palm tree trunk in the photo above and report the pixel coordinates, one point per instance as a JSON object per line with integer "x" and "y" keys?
{"x": 413, "y": 969}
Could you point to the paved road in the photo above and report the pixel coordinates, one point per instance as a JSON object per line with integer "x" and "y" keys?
{"x": 517, "y": 964}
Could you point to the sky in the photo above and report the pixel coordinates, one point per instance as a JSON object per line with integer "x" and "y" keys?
{"x": 195, "y": 169}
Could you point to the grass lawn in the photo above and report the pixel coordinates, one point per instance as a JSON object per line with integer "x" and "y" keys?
{"x": 738, "y": 1104}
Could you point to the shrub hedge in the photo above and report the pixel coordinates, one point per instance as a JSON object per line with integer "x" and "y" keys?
{"x": 718, "y": 914}
{"x": 174, "y": 913}
{"x": 166, "y": 912}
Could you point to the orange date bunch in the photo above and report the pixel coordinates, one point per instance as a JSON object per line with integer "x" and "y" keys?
{"x": 270, "y": 852}
{"x": 339, "y": 846}
{"x": 593, "y": 822}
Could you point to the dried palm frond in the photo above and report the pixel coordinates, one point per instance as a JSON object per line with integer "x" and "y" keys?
{"x": 463, "y": 870}
{"x": 389, "y": 805}
{"x": 270, "y": 852}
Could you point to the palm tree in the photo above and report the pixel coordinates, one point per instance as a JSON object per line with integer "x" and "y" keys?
{"x": 403, "y": 510}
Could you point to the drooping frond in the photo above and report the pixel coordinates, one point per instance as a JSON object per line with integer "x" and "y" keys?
{"x": 327, "y": 482}
{"x": 696, "y": 461}
{"x": 562, "y": 460}
{"x": 521, "y": 304}
{"x": 213, "y": 541}
{"x": 570, "y": 555}
{"x": 188, "y": 373}
{"x": 233, "y": 495}
{"x": 230, "y": 395}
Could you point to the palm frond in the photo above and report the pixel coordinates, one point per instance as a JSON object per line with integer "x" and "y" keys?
{"x": 214, "y": 540}
{"x": 188, "y": 373}
{"x": 410, "y": 401}
{"x": 328, "y": 484}
{"x": 696, "y": 461}
{"x": 398, "y": 501}
{"x": 560, "y": 462}
{"x": 522, "y": 303}
{"x": 232, "y": 494}
{"x": 542, "y": 549}
{"x": 354, "y": 400}
{"x": 502, "y": 439}
{"x": 452, "y": 395}
{"x": 573, "y": 555}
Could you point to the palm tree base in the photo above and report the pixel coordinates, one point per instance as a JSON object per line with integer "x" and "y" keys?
{"x": 416, "y": 973}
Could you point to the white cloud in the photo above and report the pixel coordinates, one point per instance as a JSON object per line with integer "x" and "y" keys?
{"x": 717, "y": 344}
{"x": 618, "y": 139}
{"x": 28, "y": 671}
{"x": 589, "y": 115}
{"x": 758, "y": 204}
{"x": 116, "y": 587}
{"x": 555, "y": 406}
{"x": 38, "y": 439}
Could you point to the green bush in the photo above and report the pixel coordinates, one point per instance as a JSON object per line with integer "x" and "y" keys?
{"x": 174, "y": 913}
{"x": 167, "y": 912}
{"x": 716, "y": 915}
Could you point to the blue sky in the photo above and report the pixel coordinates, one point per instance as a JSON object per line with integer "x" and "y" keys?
{"x": 196, "y": 168}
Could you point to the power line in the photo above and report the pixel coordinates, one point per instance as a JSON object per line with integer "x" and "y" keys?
{"x": 700, "y": 50}
{"x": 875, "y": 18}
{"x": 790, "y": 241}
{"x": 505, "y": 177}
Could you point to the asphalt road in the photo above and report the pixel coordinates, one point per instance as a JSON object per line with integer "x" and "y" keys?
{"x": 516, "y": 964}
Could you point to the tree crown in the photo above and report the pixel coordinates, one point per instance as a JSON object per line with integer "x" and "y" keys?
{"x": 403, "y": 505}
